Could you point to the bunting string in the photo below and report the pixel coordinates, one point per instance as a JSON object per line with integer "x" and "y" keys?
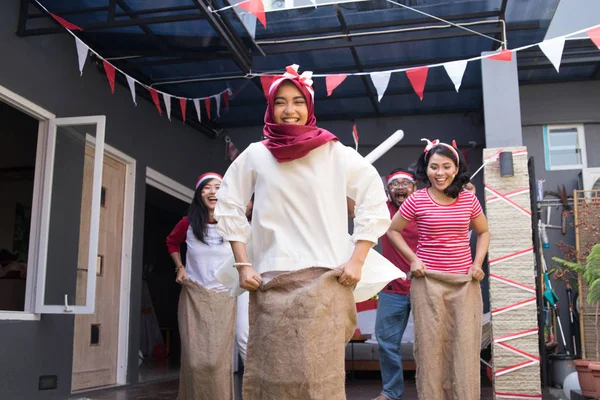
{"x": 110, "y": 70}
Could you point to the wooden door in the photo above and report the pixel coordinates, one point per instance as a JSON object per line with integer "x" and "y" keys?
{"x": 96, "y": 336}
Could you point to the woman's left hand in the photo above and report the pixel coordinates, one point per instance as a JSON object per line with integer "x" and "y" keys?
{"x": 351, "y": 273}
{"x": 476, "y": 272}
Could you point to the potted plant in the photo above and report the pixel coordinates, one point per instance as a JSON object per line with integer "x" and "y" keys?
{"x": 589, "y": 372}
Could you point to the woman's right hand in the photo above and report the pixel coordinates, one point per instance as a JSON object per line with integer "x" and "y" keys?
{"x": 249, "y": 278}
{"x": 181, "y": 275}
{"x": 417, "y": 268}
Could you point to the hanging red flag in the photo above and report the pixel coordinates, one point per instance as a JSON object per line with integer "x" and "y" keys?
{"x": 355, "y": 136}
{"x": 334, "y": 81}
{"x": 183, "y": 105}
{"x": 266, "y": 82}
{"x": 226, "y": 99}
{"x": 417, "y": 78}
{"x": 110, "y": 74}
{"x": 65, "y": 23}
{"x": 207, "y": 105}
{"x": 594, "y": 34}
{"x": 504, "y": 55}
{"x": 232, "y": 151}
{"x": 155, "y": 99}
{"x": 257, "y": 8}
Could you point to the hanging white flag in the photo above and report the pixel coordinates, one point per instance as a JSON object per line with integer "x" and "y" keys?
{"x": 380, "y": 81}
{"x": 456, "y": 71}
{"x": 167, "y": 100}
{"x": 553, "y": 49}
{"x": 218, "y": 100}
{"x": 197, "y": 105}
{"x": 131, "y": 83}
{"x": 82, "y": 52}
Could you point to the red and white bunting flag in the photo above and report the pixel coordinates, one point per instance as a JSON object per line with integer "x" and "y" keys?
{"x": 553, "y": 49}
{"x": 594, "y": 34}
{"x": 167, "y": 100}
{"x": 334, "y": 81}
{"x": 417, "y": 78}
{"x": 65, "y": 23}
{"x": 218, "y": 100}
{"x": 355, "y": 137}
{"x": 183, "y": 106}
{"x": 266, "y": 82}
{"x": 232, "y": 151}
{"x": 82, "y": 53}
{"x": 207, "y": 105}
{"x": 197, "y": 106}
{"x": 110, "y": 74}
{"x": 226, "y": 99}
{"x": 154, "y": 95}
{"x": 257, "y": 8}
{"x": 456, "y": 71}
{"x": 381, "y": 81}
{"x": 131, "y": 83}
{"x": 504, "y": 55}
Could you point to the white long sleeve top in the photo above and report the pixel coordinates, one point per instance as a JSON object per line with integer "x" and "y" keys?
{"x": 300, "y": 211}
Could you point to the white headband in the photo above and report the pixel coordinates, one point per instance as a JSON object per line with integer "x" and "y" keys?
{"x": 400, "y": 174}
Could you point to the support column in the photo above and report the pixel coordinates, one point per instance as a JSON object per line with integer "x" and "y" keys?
{"x": 515, "y": 344}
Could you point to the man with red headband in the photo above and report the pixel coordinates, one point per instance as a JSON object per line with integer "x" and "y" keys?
{"x": 303, "y": 270}
{"x": 393, "y": 306}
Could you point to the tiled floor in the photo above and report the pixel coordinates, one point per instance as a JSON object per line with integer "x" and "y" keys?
{"x": 364, "y": 387}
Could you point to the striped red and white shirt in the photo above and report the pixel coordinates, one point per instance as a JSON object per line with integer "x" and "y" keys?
{"x": 443, "y": 230}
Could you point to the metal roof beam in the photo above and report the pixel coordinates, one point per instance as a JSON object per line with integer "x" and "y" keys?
{"x": 120, "y": 13}
{"x": 390, "y": 39}
{"x": 376, "y": 25}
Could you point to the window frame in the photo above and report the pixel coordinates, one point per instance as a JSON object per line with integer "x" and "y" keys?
{"x": 581, "y": 141}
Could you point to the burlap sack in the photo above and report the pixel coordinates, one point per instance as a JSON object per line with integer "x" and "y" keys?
{"x": 447, "y": 311}
{"x": 207, "y": 330}
{"x": 300, "y": 323}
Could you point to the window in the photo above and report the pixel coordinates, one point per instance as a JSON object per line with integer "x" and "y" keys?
{"x": 564, "y": 147}
{"x": 50, "y": 172}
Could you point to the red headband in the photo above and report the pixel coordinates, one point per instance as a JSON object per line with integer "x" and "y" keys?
{"x": 208, "y": 175}
{"x": 400, "y": 174}
{"x": 436, "y": 142}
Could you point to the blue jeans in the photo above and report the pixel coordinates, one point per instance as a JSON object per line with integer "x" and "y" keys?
{"x": 392, "y": 316}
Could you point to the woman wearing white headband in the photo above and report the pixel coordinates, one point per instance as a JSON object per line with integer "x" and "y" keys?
{"x": 445, "y": 292}
{"x": 206, "y": 312}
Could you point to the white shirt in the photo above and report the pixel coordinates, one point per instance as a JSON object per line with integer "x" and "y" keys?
{"x": 300, "y": 213}
{"x": 203, "y": 260}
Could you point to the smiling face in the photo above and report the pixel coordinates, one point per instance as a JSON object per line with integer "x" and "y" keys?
{"x": 441, "y": 171}
{"x": 209, "y": 193}
{"x": 290, "y": 106}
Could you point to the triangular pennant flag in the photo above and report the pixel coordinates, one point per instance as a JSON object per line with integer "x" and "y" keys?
{"x": 266, "y": 82}
{"x": 594, "y": 34}
{"x": 154, "y": 95}
{"x": 504, "y": 55}
{"x": 65, "y": 23}
{"x": 456, "y": 71}
{"x": 257, "y": 8}
{"x": 553, "y": 49}
{"x": 131, "y": 83}
{"x": 226, "y": 99}
{"x": 380, "y": 81}
{"x": 249, "y": 22}
{"x": 355, "y": 136}
{"x": 333, "y": 81}
{"x": 183, "y": 105}
{"x": 167, "y": 100}
{"x": 110, "y": 74}
{"x": 82, "y": 53}
{"x": 197, "y": 105}
{"x": 232, "y": 151}
{"x": 218, "y": 100}
{"x": 207, "y": 105}
{"x": 417, "y": 78}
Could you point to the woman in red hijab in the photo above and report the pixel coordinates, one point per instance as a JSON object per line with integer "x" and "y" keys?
{"x": 300, "y": 175}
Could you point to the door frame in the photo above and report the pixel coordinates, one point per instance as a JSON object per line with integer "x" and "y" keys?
{"x": 168, "y": 185}
{"x": 126, "y": 258}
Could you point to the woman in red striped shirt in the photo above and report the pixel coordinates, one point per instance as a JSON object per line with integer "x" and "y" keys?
{"x": 445, "y": 291}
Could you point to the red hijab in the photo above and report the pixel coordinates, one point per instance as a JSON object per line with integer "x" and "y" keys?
{"x": 290, "y": 142}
